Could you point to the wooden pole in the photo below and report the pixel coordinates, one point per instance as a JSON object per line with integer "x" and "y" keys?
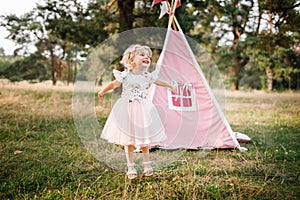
{"x": 171, "y": 10}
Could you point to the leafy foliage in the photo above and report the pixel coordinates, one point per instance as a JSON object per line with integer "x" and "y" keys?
{"x": 33, "y": 67}
{"x": 239, "y": 34}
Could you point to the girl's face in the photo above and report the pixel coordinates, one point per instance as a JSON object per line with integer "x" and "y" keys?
{"x": 142, "y": 59}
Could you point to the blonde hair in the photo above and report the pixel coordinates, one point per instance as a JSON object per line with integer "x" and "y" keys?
{"x": 131, "y": 52}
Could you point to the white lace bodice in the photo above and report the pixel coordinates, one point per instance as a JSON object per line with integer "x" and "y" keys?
{"x": 135, "y": 87}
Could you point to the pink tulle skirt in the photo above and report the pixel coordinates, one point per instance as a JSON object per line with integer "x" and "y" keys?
{"x": 135, "y": 123}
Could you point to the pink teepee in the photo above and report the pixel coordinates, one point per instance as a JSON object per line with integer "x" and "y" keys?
{"x": 192, "y": 117}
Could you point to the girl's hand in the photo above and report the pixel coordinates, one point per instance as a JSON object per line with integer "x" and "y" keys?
{"x": 100, "y": 94}
{"x": 173, "y": 89}
{"x": 167, "y": 85}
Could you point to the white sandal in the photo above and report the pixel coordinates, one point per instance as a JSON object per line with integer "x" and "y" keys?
{"x": 131, "y": 173}
{"x": 148, "y": 171}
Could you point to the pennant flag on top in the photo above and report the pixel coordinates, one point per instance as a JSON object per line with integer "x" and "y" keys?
{"x": 158, "y": 1}
{"x": 163, "y": 9}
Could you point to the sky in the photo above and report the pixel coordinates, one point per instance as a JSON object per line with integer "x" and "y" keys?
{"x": 17, "y": 7}
{"x": 13, "y": 7}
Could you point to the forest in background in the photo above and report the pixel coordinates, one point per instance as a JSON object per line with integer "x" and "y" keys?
{"x": 255, "y": 43}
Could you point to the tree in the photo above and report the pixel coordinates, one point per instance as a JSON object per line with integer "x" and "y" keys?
{"x": 31, "y": 67}
{"x": 236, "y": 35}
{"x": 57, "y": 29}
{"x": 233, "y": 31}
{"x": 125, "y": 14}
{"x": 72, "y": 29}
{"x": 223, "y": 26}
{"x": 273, "y": 51}
{"x": 29, "y": 29}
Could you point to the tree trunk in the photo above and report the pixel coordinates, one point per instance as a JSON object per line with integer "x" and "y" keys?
{"x": 126, "y": 14}
{"x": 125, "y": 23}
{"x": 69, "y": 67}
{"x": 235, "y": 85}
{"x": 53, "y": 66}
{"x": 270, "y": 22}
{"x": 235, "y": 71}
{"x": 269, "y": 75}
{"x": 258, "y": 22}
{"x": 269, "y": 72}
{"x": 235, "y": 77}
{"x": 75, "y": 71}
{"x": 298, "y": 81}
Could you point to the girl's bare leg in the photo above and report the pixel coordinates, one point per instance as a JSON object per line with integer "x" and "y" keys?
{"x": 130, "y": 164}
{"x": 148, "y": 171}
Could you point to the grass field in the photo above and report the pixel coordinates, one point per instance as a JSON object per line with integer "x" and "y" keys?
{"x": 42, "y": 156}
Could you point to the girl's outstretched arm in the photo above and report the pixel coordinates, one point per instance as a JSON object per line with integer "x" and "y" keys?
{"x": 112, "y": 85}
{"x": 165, "y": 84}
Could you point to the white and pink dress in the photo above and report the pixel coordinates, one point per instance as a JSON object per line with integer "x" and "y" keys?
{"x": 134, "y": 120}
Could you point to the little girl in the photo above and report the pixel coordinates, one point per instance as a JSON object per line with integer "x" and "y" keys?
{"x": 134, "y": 121}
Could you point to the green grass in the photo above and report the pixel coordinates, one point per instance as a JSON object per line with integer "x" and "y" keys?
{"x": 42, "y": 156}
